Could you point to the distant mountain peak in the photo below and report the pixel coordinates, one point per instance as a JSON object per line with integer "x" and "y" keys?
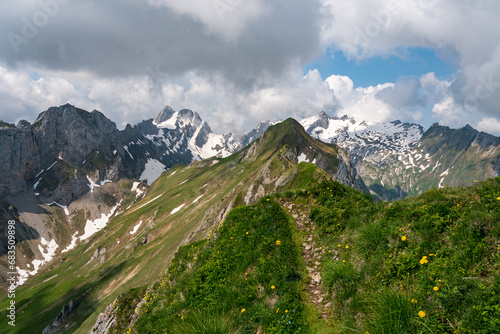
{"x": 469, "y": 128}
{"x": 166, "y": 118}
{"x": 164, "y": 115}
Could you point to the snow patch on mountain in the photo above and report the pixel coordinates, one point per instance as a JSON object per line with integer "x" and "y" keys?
{"x": 65, "y": 208}
{"x": 125, "y": 147}
{"x": 47, "y": 250}
{"x": 136, "y": 227}
{"x": 72, "y": 244}
{"x": 52, "y": 165}
{"x": 169, "y": 123}
{"x": 94, "y": 226}
{"x": 154, "y": 199}
{"x": 197, "y": 199}
{"x": 325, "y": 128}
{"x": 215, "y": 146}
{"x": 177, "y": 209}
{"x": 135, "y": 188}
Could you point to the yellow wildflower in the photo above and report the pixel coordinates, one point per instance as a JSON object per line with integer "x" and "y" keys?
{"x": 273, "y": 287}
{"x": 278, "y": 242}
{"x": 435, "y": 288}
{"x": 278, "y": 310}
{"x": 243, "y": 310}
{"x": 403, "y": 238}
{"x": 421, "y": 314}
{"x": 286, "y": 311}
{"x": 347, "y": 246}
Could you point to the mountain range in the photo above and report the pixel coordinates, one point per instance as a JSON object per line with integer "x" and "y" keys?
{"x": 94, "y": 197}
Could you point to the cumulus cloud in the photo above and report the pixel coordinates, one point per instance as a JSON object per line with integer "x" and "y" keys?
{"x": 489, "y": 125}
{"x": 404, "y": 95}
{"x": 360, "y": 103}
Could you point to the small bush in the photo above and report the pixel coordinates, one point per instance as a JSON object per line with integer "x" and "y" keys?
{"x": 373, "y": 237}
{"x": 205, "y": 321}
{"x": 391, "y": 313}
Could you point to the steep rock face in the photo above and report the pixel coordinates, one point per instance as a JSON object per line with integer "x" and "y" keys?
{"x": 19, "y": 158}
{"x": 72, "y": 134}
{"x": 106, "y": 320}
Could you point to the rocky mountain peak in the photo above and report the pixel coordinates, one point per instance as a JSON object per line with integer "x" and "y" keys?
{"x": 23, "y": 124}
{"x": 300, "y": 147}
{"x": 164, "y": 115}
{"x": 188, "y": 117}
{"x": 168, "y": 118}
{"x": 469, "y": 128}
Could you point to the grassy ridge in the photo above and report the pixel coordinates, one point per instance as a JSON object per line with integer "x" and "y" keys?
{"x": 249, "y": 276}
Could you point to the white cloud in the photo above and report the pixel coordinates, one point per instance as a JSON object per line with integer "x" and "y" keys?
{"x": 489, "y": 125}
{"x": 360, "y": 103}
{"x": 24, "y": 97}
{"x": 449, "y": 113}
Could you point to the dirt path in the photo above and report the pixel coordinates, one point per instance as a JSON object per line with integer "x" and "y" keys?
{"x": 312, "y": 254}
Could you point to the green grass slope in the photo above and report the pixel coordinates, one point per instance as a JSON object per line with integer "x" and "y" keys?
{"x": 246, "y": 275}
{"x": 424, "y": 265}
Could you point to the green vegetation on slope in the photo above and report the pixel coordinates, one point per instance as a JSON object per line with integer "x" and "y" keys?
{"x": 246, "y": 275}
{"x": 424, "y": 265}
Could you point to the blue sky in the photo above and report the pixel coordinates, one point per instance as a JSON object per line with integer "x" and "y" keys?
{"x": 383, "y": 69}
